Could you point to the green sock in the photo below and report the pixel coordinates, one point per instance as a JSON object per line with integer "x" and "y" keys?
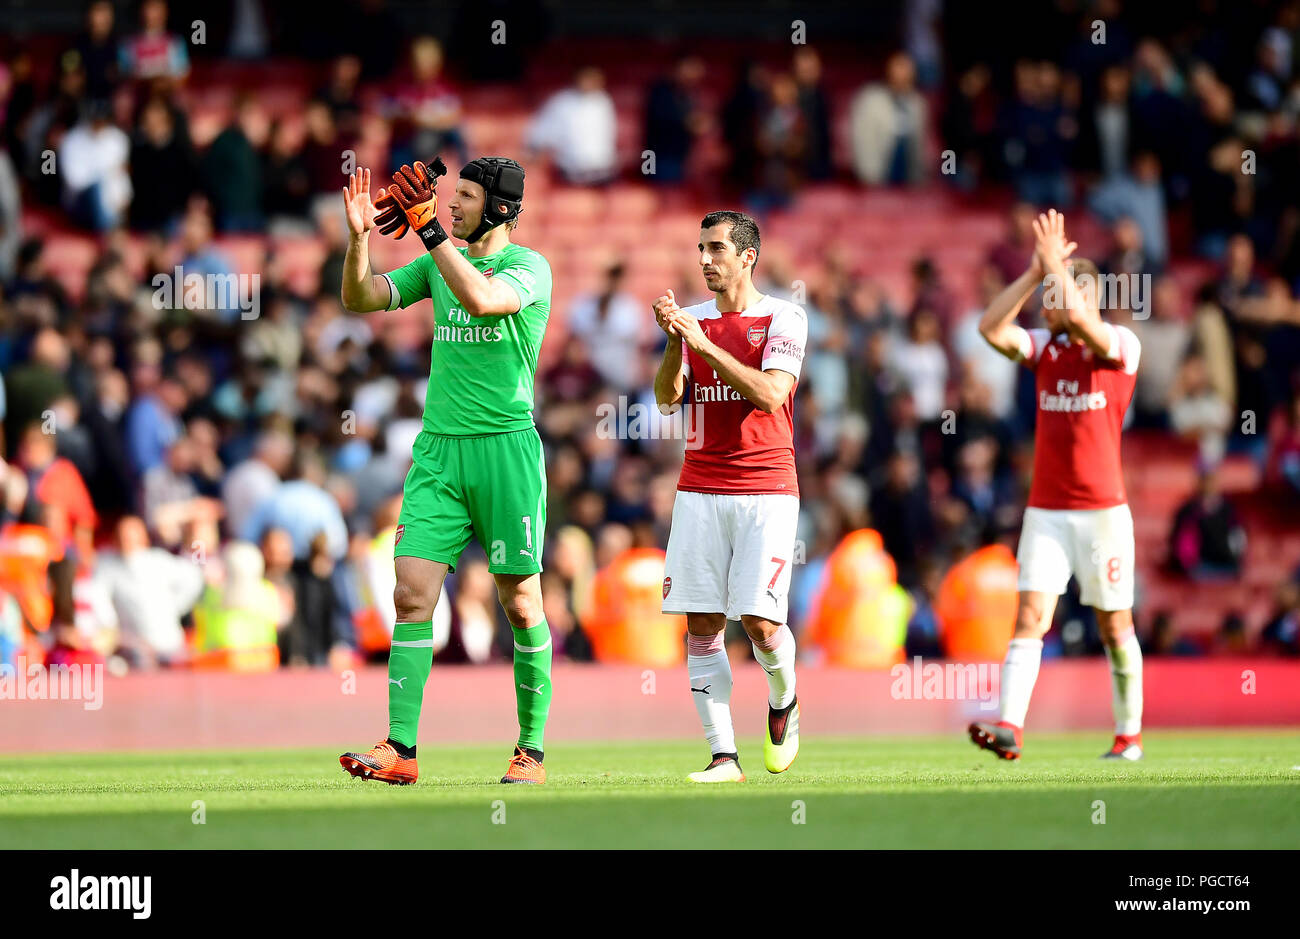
{"x": 409, "y": 661}
{"x": 533, "y": 682}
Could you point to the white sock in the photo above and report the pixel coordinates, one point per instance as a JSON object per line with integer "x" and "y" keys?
{"x": 1126, "y": 684}
{"x": 1019, "y": 672}
{"x": 710, "y": 674}
{"x": 776, "y": 655}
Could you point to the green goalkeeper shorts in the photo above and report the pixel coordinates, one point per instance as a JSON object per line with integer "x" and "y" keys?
{"x": 491, "y": 487}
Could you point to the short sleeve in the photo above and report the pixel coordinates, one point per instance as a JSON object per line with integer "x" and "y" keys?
{"x": 409, "y": 283}
{"x": 787, "y": 336}
{"x": 530, "y": 276}
{"x": 1032, "y": 343}
{"x": 1126, "y": 348}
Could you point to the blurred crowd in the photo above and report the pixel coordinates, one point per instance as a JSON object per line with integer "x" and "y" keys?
{"x": 183, "y": 485}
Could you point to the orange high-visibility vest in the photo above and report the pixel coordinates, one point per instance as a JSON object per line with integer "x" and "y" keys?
{"x": 26, "y": 552}
{"x": 623, "y": 620}
{"x": 860, "y": 614}
{"x": 976, "y": 605}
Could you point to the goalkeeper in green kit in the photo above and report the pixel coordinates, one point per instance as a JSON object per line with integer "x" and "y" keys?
{"x": 477, "y": 463}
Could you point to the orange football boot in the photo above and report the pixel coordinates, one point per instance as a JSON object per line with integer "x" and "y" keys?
{"x": 381, "y": 762}
{"x": 524, "y": 769}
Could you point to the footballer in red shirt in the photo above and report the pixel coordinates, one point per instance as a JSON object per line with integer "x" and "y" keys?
{"x": 1077, "y": 520}
{"x": 737, "y": 506}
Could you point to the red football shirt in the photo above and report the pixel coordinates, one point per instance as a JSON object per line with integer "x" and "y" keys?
{"x": 732, "y": 446}
{"x": 1081, "y": 401}
{"x": 60, "y": 484}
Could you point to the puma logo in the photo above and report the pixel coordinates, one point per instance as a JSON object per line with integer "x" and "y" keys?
{"x": 704, "y": 690}
{"x": 537, "y": 690}
{"x": 773, "y": 596}
{"x": 398, "y": 681}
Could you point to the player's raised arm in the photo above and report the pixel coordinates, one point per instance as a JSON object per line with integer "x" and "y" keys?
{"x": 1082, "y": 316}
{"x": 998, "y": 324}
{"x": 765, "y": 389}
{"x": 670, "y": 380}
{"x": 362, "y": 291}
{"x": 478, "y": 295}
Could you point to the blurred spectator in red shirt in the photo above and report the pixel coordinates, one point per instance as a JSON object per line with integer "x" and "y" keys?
{"x": 55, "y": 483}
{"x": 425, "y": 108}
{"x": 1012, "y": 253}
{"x": 154, "y": 52}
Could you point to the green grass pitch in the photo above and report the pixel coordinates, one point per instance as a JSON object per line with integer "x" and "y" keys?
{"x": 1206, "y": 789}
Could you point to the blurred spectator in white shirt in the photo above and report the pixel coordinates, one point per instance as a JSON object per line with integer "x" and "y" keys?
{"x": 1165, "y": 336}
{"x": 988, "y": 365}
{"x": 887, "y": 126}
{"x": 922, "y": 364}
{"x": 93, "y": 164}
{"x": 612, "y": 324}
{"x": 151, "y": 590}
{"x": 1197, "y": 411}
{"x": 577, "y": 126}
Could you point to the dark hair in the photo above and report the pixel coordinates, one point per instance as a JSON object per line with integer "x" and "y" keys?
{"x": 743, "y": 231}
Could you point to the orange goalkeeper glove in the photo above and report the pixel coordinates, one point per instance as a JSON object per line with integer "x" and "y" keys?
{"x": 412, "y": 203}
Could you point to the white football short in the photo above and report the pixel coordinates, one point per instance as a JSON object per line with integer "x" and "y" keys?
{"x": 1095, "y": 545}
{"x": 731, "y": 554}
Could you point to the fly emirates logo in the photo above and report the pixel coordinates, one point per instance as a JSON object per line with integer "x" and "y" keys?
{"x": 1067, "y": 399}
{"x": 718, "y": 391}
{"x": 463, "y": 329}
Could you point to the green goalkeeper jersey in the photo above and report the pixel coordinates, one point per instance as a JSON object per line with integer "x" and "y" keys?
{"x": 482, "y": 371}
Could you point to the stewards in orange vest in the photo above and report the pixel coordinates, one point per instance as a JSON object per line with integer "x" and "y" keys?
{"x": 623, "y": 620}
{"x": 26, "y": 552}
{"x": 976, "y": 605}
{"x": 859, "y": 617}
